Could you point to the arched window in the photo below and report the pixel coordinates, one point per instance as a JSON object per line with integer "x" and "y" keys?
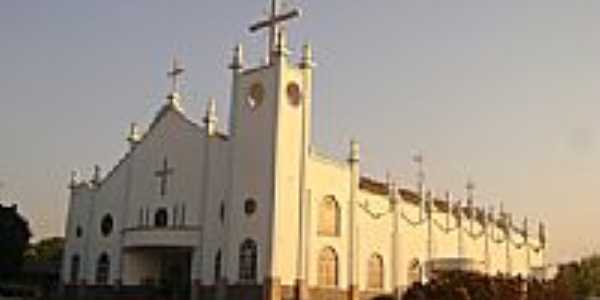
{"x": 161, "y": 218}
{"x": 218, "y": 263}
{"x": 329, "y": 217}
{"x": 414, "y": 271}
{"x": 102, "y": 269}
{"x": 248, "y": 261}
{"x": 75, "y": 265}
{"x": 375, "y": 272}
{"x": 328, "y": 268}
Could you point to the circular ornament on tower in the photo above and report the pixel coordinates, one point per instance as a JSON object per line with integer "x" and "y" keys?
{"x": 250, "y": 206}
{"x": 106, "y": 225}
{"x": 294, "y": 94}
{"x": 256, "y": 95}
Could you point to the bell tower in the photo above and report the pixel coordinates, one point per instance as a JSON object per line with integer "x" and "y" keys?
{"x": 270, "y": 132}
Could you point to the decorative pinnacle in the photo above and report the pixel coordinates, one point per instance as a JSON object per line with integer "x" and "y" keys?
{"x": 419, "y": 160}
{"x": 306, "y": 61}
{"x": 96, "y": 177}
{"x": 210, "y": 118}
{"x": 237, "y": 62}
{"x": 134, "y": 136}
{"x": 470, "y": 191}
{"x": 73, "y": 180}
{"x": 354, "y": 151}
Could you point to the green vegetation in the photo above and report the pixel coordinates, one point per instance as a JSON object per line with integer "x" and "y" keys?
{"x": 48, "y": 250}
{"x": 582, "y": 278}
{"x": 14, "y": 241}
{"x": 473, "y": 286}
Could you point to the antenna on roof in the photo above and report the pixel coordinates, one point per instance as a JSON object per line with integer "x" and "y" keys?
{"x": 418, "y": 159}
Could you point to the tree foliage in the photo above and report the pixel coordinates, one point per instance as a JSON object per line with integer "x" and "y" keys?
{"x": 14, "y": 240}
{"x": 473, "y": 286}
{"x": 581, "y": 278}
{"x": 48, "y": 250}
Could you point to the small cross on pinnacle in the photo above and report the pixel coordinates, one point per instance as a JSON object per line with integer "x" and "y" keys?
{"x": 273, "y": 24}
{"x": 174, "y": 73}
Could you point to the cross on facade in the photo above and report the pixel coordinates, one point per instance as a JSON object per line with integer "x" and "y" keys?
{"x": 163, "y": 175}
{"x": 273, "y": 23}
{"x": 174, "y": 73}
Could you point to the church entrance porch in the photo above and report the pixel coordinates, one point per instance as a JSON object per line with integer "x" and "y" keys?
{"x": 165, "y": 271}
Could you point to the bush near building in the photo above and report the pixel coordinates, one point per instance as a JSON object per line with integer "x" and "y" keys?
{"x": 459, "y": 285}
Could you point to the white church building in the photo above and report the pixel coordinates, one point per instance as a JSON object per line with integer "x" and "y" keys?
{"x": 259, "y": 213}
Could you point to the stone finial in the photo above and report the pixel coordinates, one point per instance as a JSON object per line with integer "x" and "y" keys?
{"x": 448, "y": 198}
{"x": 484, "y": 219}
{"x": 73, "y": 181}
{"x": 281, "y": 46}
{"x": 97, "y": 176}
{"x": 470, "y": 191}
{"x": 210, "y": 117}
{"x": 492, "y": 214}
{"x": 134, "y": 136}
{"x": 237, "y": 63}
{"x": 429, "y": 201}
{"x": 354, "y": 151}
{"x": 306, "y": 62}
{"x": 542, "y": 233}
{"x": 526, "y": 228}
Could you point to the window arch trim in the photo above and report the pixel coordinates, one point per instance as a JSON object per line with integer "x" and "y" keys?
{"x": 328, "y": 268}
{"x": 329, "y": 217}
{"x": 375, "y": 272}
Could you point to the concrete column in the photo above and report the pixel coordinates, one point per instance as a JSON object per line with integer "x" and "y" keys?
{"x": 272, "y": 288}
{"x": 353, "y": 160}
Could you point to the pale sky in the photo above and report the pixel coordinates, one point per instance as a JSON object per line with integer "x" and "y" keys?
{"x": 505, "y": 92}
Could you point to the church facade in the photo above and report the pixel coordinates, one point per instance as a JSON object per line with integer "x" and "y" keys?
{"x": 259, "y": 213}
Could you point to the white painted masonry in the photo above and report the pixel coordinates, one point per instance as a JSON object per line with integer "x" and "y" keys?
{"x": 268, "y": 158}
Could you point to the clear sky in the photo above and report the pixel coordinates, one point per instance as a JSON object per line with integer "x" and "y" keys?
{"x": 506, "y": 92}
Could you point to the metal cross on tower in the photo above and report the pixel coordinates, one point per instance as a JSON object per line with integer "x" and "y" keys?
{"x": 163, "y": 175}
{"x": 174, "y": 73}
{"x": 273, "y": 23}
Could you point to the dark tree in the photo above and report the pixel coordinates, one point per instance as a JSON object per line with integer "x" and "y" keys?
{"x": 48, "y": 250}
{"x": 14, "y": 241}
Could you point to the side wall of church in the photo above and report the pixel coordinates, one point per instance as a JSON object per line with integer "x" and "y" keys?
{"x": 375, "y": 239}
{"x": 108, "y": 202}
{"x": 80, "y": 208}
{"x": 328, "y": 178}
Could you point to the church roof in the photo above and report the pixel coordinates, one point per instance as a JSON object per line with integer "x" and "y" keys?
{"x": 159, "y": 116}
{"x": 479, "y": 215}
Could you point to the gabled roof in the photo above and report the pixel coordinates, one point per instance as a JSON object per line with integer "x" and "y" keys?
{"x": 159, "y": 116}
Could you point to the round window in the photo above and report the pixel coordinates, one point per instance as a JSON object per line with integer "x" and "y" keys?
{"x": 78, "y": 231}
{"x": 106, "y": 226}
{"x": 294, "y": 94}
{"x": 250, "y": 206}
{"x": 256, "y": 95}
